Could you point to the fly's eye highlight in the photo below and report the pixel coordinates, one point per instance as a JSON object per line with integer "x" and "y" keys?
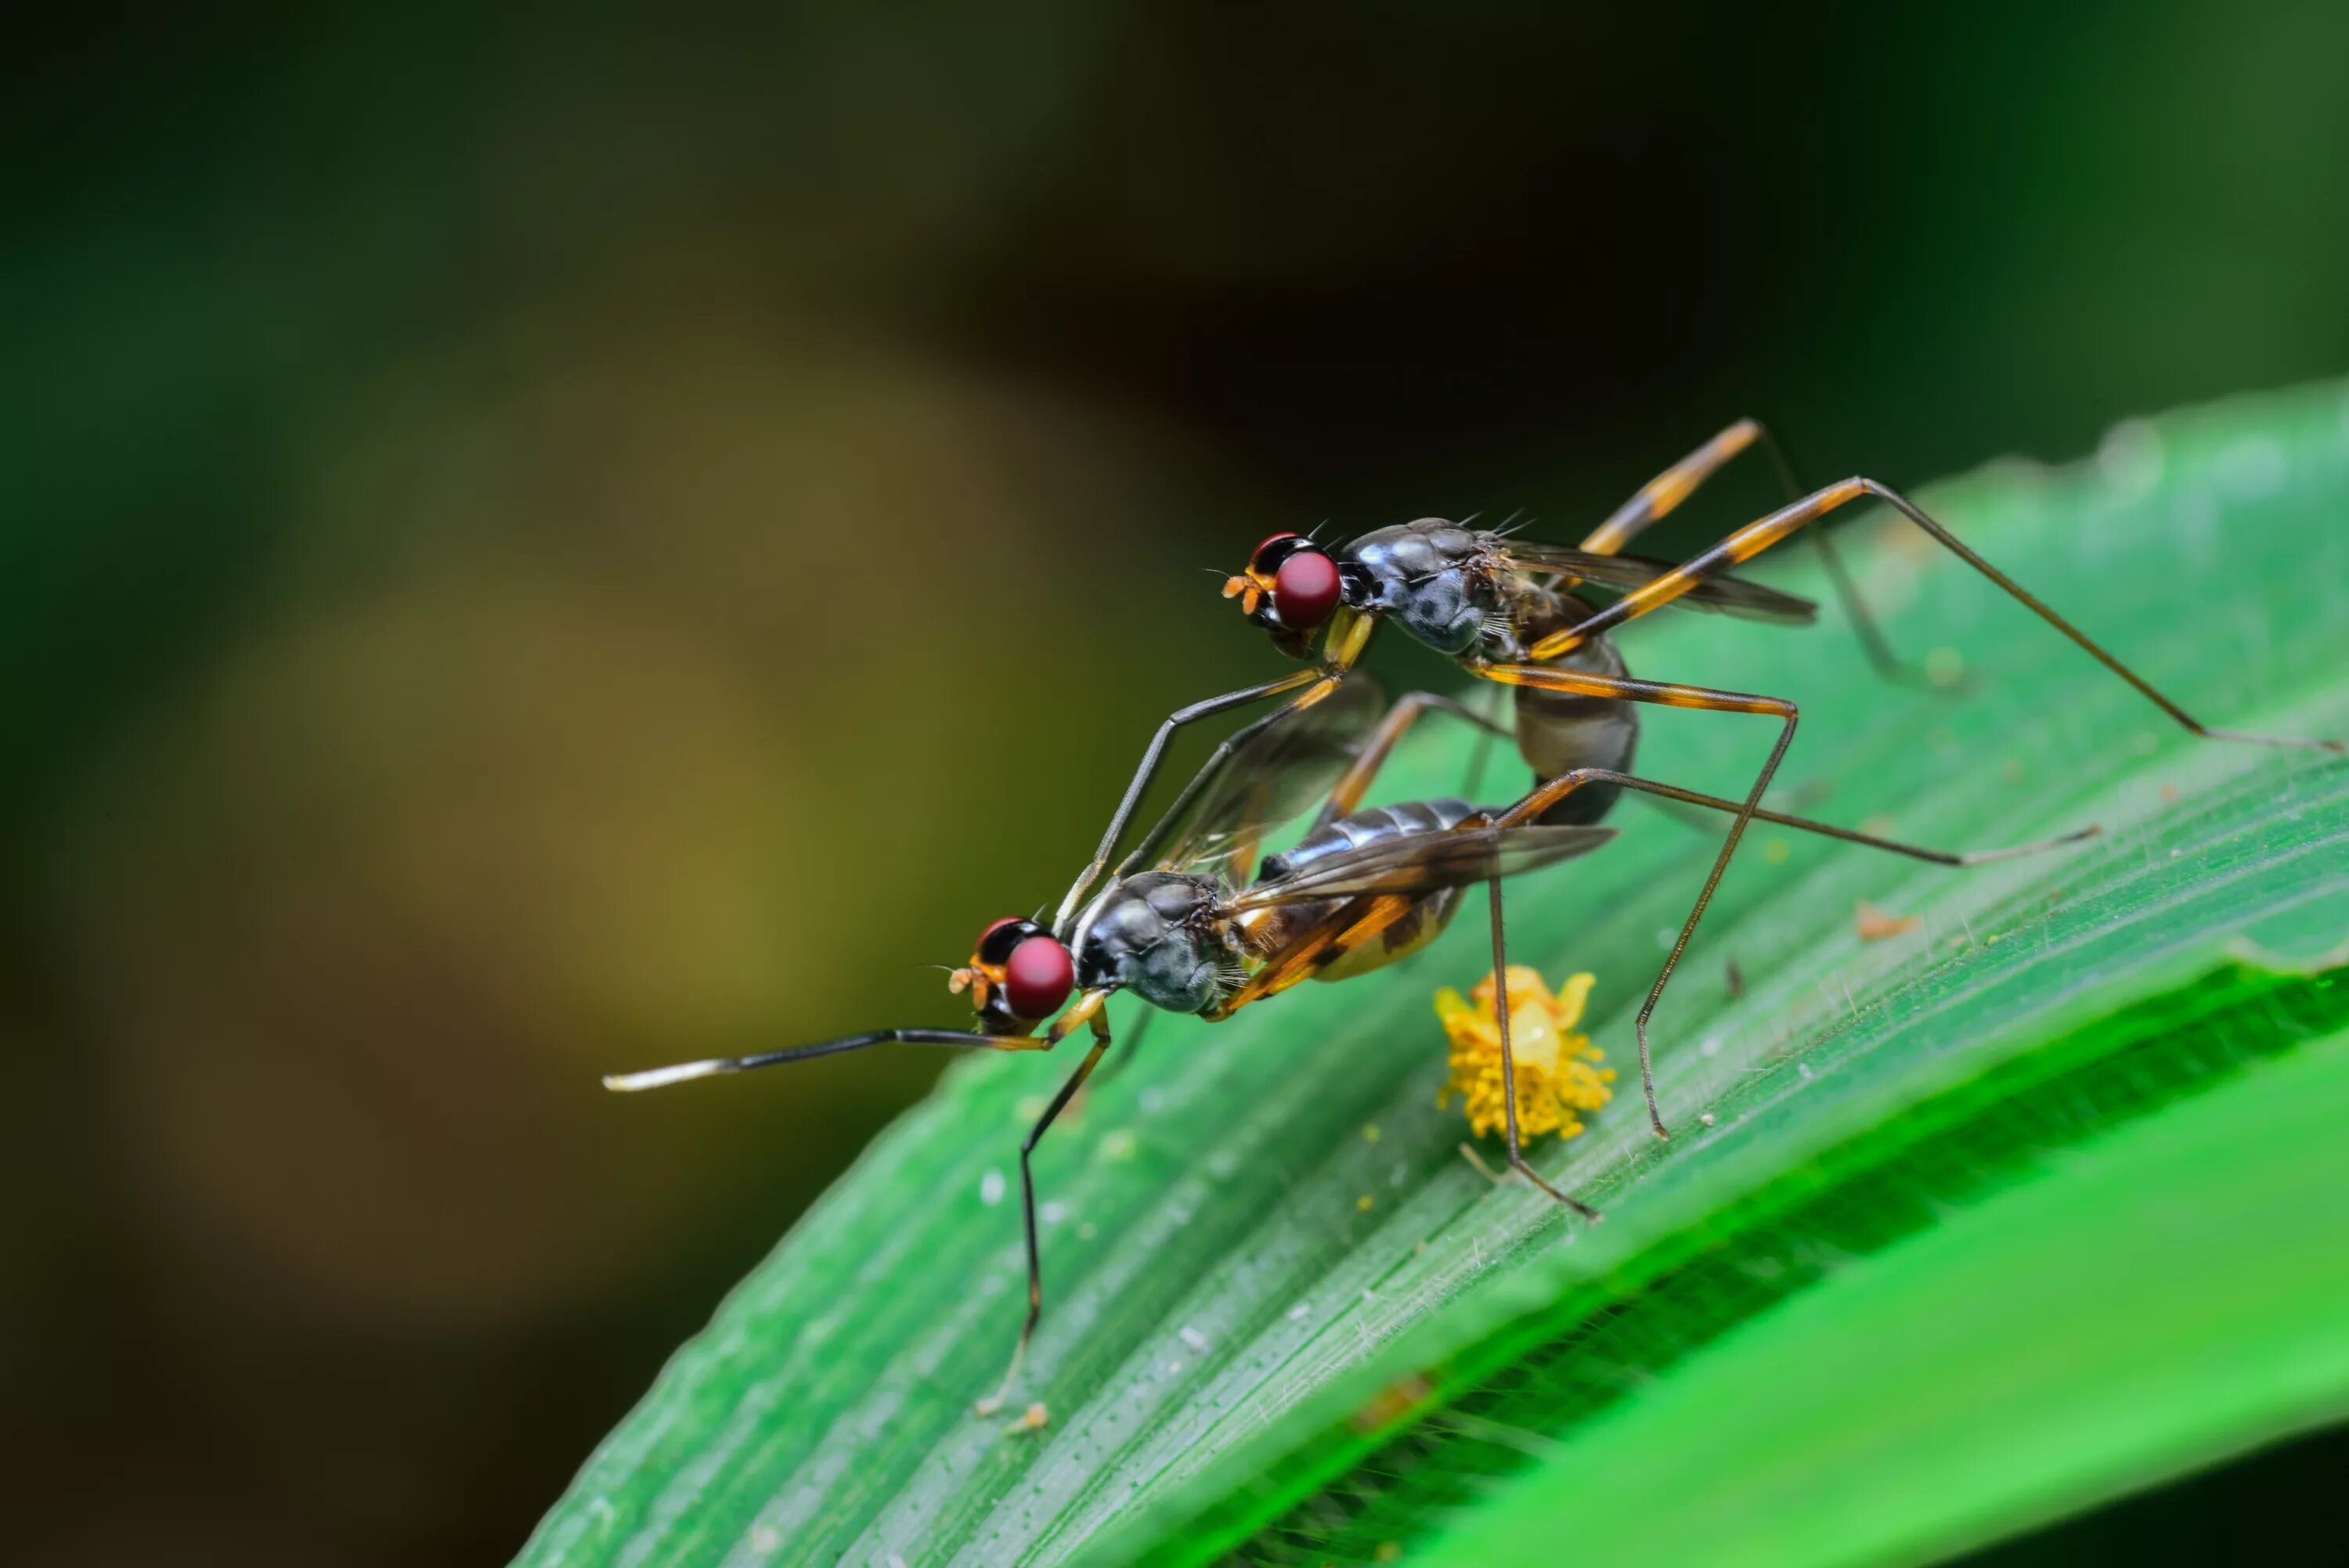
{"x": 1306, "y": 588}
{"x": 1266, "y": 557}
{"x": 995, "y": 942}
{"x": 1038, "y": 978}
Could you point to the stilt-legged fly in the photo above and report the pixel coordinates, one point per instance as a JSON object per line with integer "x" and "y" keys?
{"x": 1524, "y": 614}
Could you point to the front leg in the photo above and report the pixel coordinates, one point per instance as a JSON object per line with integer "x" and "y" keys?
{"x": 1088, "y": 1010}
{"x": 1341, "y": 647}
{"x": 1312, "y": 684}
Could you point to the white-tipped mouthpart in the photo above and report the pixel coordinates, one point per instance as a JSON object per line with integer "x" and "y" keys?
{"x": 661, "y": 1077}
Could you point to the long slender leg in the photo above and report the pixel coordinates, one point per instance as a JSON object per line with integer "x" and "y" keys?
{"x": 1130, "y": 1048}
{"x": 1582, "y": 684}
{"x": 1660, "y": 495}
{"x": 1472, "y": 786}
{"x": 1756, "y": 537}
{"x": 1341, "y": 646}
{"x": 1553, "y": 790}
{"x": 1346, "y": 795}
{"x": 1099, "y": 1018}
{"x": 1656, "y": 500}
{"x": 1156, "y": 750}
{"x": 1509, "y": 1060}
{"x": 659, "y": 1077}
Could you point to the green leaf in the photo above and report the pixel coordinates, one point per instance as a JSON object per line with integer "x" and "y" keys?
{"x": 1866, "y": 1309}
{"x": 2167, "y": 1297}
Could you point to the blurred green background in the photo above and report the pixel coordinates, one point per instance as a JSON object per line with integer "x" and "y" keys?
{"x": 561, "y": 541}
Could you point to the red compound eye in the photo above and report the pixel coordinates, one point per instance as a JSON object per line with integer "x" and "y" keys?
{"x": 1038, "y": 978}
{"x": 1305, "y": 590}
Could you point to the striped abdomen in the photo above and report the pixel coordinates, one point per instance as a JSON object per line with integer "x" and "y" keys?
{"x": 1367, "y": 827}
{"x": 1423, "y": 923}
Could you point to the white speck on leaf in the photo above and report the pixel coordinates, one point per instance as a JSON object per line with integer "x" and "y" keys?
{"x": 1298, "y": 1313}
{"x": 1052, "y": 1213}
{"x": 1193, "y": 1339}
{"x": 990, "y": 1188}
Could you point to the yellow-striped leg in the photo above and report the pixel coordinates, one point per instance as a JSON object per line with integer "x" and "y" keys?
{"x": 1578, "y": 683}
{"x": 1756, "y": 537}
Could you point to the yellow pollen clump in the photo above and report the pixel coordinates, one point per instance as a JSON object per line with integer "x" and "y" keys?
{"x": 1558, "y": 1070}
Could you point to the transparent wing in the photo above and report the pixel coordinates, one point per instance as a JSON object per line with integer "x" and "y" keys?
{"x": 1418, "y": 864}
{"x": 1732, "y": 595}
{"x": 1283, "y": 767}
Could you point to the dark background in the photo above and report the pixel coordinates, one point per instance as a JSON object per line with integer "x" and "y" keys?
{"x": 555, "y": 543}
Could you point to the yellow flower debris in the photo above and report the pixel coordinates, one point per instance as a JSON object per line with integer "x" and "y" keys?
{"x": 1558, "y": 1070}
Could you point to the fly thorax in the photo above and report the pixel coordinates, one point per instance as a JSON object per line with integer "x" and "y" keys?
{"x": 1431, "y": 577}
{"x": 1163, "y": 936}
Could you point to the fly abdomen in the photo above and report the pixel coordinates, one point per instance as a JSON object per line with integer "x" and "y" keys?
{"x": 1420, "y": 925}
{"x": 1367, "y": 827}
{"x": 1559, "y": 732}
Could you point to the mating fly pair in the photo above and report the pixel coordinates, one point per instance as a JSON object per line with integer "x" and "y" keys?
{"x": 1535, "y": 618}
{"x": 1185, "y": 923}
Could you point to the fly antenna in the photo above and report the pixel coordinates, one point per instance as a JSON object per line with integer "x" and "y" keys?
{"x": 714, "y": 1067}
{"x": 661, "y": 1077}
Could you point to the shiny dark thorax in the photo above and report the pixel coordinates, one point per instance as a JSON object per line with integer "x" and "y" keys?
{"x": 1434, "y": 579}
{"x": 1448, "y": 586}
{"x": 1166, "y": 937}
